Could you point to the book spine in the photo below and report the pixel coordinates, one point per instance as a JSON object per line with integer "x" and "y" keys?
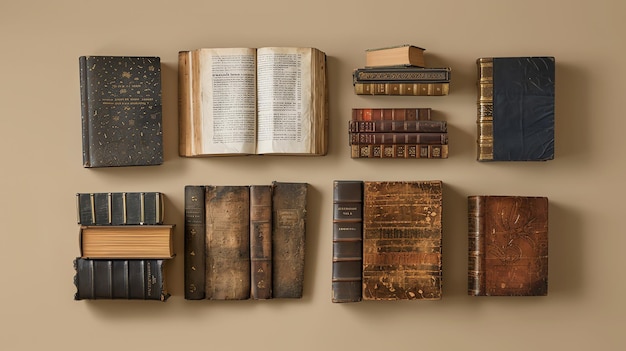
{"x": 261, "y": 241}
{"x": 120, "y": 208}
{"x": 476, "y": 246}
{"x": 288, "y": 238}
{"x": 185, "y": 103}
{"x": 120, "y": 279}
{"x": 391, "y": 114}
{"x": 347, "y": 241}
{"x": 484, "y": 121}
{"x": 426, "y": 75}
{"x": 227, "y": 243}
{"x": 382, "y": 126}
{"x": 399, "y": 151}
{"x": 406, "y": 89}
{"x": 194, "y": 242}
{"x": 85, "y": 110}
{"x": 398, "y": 138}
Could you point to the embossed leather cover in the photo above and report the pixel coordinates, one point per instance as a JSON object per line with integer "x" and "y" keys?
{"x": 402, "y": 232}
{"x": 120, "y": 279}
{"x": 121, "y": 111}
{"x": 120, "y": 208}
{"x": 508, "y": 246}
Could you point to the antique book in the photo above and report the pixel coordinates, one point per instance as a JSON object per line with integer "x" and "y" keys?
{"x": 508, "y": 245}
{"x": 120, "y": 279}
{"x": 120, "y": 208}
{"x": 127, "y": 241}
{"x": 227, "y": 242}
{"x": 391, "y": 114}
{"x": 242, "y": 101}
{"x": 399, "y": 151}
{"x": 386, "y": 126}
{"x": 402, "y": 232}
{"x": 347, "y": 241}
{"x": 515, "y": 108}
{"x": 261, "y": 241}
{"x": 399, "y": 55}
{"x": 404, "y": 88}
{"x": 121, "y": 111}
{"x": 288, "y": 238}
{"x": 398, "y": 138}
{"x": 400, "y": 74}
{"x": 194, "y": 242}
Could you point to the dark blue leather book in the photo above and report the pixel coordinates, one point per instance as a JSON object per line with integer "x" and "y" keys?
{"x": 516, "y": 108}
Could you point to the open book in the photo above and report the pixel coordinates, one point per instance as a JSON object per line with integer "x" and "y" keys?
{"x": 252, "y": 101}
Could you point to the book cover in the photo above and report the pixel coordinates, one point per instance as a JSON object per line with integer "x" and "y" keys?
{"x": 515, "y": 108}
{"x": 397, "y": 55}
{"x": 402, "y": 89}
{"x": 121, "y": 111}
{"x": 399, "y": 151}
{"x": 391, "y": 114}
{"x": 120, "y": 279}
{"x": 347, "y": 241}
{"x": 395, "y": 74}
{"x": 288, "y": 238}
{"x": 127, "y": 241}
{"x": 386, "y": 126}
{"x": 402, "y": 232}
{"x": 132, "y": 208}
{"x": 253, "y": 101}
{"x": 508, "y": 246}
{"x": 261, "y": 241}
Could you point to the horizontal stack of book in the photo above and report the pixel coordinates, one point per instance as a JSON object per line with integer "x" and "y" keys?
{"x": 397, "y": 133}
{"x": 400, "y": 70}
{"x": 123, "y": 245}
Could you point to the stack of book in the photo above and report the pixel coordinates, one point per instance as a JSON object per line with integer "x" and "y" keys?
{"x": 245, "y": 241}
{"x": 124, "y": 245}
{"x": 400, "y": 70}
{"x": 397, "y": 133}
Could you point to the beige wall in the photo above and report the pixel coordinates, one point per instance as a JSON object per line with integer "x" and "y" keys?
{"x": 40, "y": 141}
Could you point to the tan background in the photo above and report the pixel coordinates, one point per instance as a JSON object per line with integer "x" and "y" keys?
{"x": 40, "y": 142}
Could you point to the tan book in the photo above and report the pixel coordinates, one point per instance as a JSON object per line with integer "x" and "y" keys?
{"x": 127, "y": 241}
{"x": 394, "y": 56}
{"x": 402, "y": 231}
{"x": 241, "y": 101}
{"x": 404, "y": 88}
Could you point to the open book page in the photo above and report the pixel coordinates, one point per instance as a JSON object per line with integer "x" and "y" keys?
{"x": 284, "y": 110}
{"x": 228, "y": 94}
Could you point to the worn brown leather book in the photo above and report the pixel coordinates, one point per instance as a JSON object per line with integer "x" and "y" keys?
{"x": 195, "y": 241}
{"x": 404, "y": 88}
{"x": 399, "y": 151}
{"x": 288, "y": 239}
{"x": 121, "y": 111}
{"x": 347, "y": 240}
{"x": 402, "y": 232}
{"x": 387, "y": 126}
{"x": 227, "y": 242}
{"x": 391, "y": 114}
{"x": 398, "y": 138}
{"x": 261, "y": 241}
{"x": 508, "y": 246}
{"x": 127, "y": 241}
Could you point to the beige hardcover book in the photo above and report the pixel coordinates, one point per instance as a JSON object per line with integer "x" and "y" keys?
{"x": 242, "y": 101}
{"x": 401, "y": 55}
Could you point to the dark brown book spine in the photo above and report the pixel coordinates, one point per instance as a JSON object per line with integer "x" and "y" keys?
{"x": 194, "y": 241}
{"x": 261, "y": 241}
{"x": 508, "y": 240}
{"x": 402, "y": 231}
{"x": 227, "y": 242}
{"x": 397, "y": 126}
{"x": 407, "y": 89}
{"x": 288, "y": 239}
{"x": 484, "y": 122}
{"x": 399, "y": 151}
{"x": 120, "y": 208}
{"x": 391, "y": 114}
{"x": 347, "y": 240}
{"x": 398, "y": 138}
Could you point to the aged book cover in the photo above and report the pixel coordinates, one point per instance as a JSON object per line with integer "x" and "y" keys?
{"x": 399, "y": 151}
{"x": 398, "y": 138}
{"x": 515, "y": 108}
{"x": 121, "y": 111}
{"x": 399, "y": 74}
{"x": 236, "y": 101}
{"x": 261, "y": 241}
{"x": 288, "y": 238}
{"x": 508, "y": 246}
{"x": 398, "y": 55}
{"x": 386, "y": 126}
{"x": 391, "y": 114}
{"x": 120, "y": 208}
{"x": 120, "y": 279}
{"x": 127, "y": 241}
{"x": 404, "y": 88}
{"x": 402, "y": 232}
{"x": 347, "y": 240}
{"x": 227, "y": 242}
{"x": 195, "y": 241}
